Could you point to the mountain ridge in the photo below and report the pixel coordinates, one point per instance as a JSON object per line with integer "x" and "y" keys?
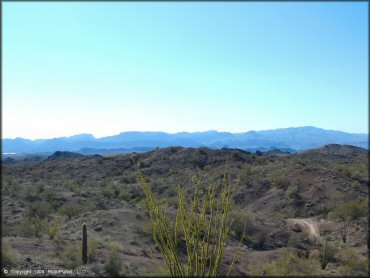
{"x": 295, "y": 138}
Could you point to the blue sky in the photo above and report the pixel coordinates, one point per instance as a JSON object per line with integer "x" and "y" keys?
{"x": 104, "y": 68}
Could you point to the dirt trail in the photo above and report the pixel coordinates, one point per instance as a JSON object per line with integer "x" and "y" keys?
{"x": 307, "y": 225}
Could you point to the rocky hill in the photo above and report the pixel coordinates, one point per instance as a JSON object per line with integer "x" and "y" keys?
{"x": 297, "y": 203}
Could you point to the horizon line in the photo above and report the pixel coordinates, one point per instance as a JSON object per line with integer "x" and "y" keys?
{"x": 173, "y": 133}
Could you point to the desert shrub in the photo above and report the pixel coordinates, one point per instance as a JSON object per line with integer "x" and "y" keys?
{"x": 353, "y": 264}
{"x": 201, "y": 231}
{"x": 245, "y": 174}
{"x": 111, "y": 190}
{"x": 71, "y": 186}
{"x": 91, "y": 248}
{"x": 52, "y": 198}
{"x": 113, "y": 264}
{"x": 52, "y": 230}
{"x": 11, "y": 189}
{"x": 301, "y": 161}
{"x": 359, "y": 171}
{"x": 243, "y": 221}
{"x": 39, "y": 209}
{"x": 71, "y": 257}
{"x": 32, "y": 227}
{"x": 277, "y": 179}
{"x": 355, "y": 186}
{"x": 30, "y": 194}
{"x": 351, "y": 210}
{"x": 278, "y": 217}
{"x": 261, "y": 237}
{"x": 346, "y": 170}
{"x": 146, "y": 230}
{"x": 107, "y": 192}
{"x": 329, "y": 206}
{"x": 288, "y": 264}
{"x": 71, "y": 210}
{"x": 325, "y": 228}
{"x": 125, "y": 195}
{"x": 292, "y": 192}
{"x": 208, "y": 168}
{"x": 328, "y": 251}
{"x": 9, "y": 257}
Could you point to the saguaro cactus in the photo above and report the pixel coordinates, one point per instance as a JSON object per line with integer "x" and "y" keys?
{"x": 84, "y": 244}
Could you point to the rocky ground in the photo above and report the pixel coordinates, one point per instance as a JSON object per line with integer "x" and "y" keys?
{"x": 297, "y": 203}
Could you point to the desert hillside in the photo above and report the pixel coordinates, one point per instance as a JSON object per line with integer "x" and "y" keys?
{"x": 304, "y": 213}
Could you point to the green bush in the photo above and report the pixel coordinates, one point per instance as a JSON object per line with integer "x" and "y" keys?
{"x": 71, "y": 210}
{"x": 353, "y": 264}
{"x": 328, "y": 252}
{"x": 288, "y": 264}
{"x": 52, "y": 230}
{"x": 9, "y": 257}
{"x": 39, "y": 209}
{"x": 71, "y": 186}
{"x": 91, "y": 248}
{"x": 245, "y": 174}
{"x": 292, "y": 192}
{"x": 113, "y": 265}
{"x": 32, "y": 227}
{"x": 71, "y": 257}
{"x": 277, "y": 179}
{"x": 52, "y": 198}
{"x": 125, "y": 195}
{"x": 112, "y": 190}
{"x": 243, "y": 221}
{"x": 359, "y": 171}
{"x": 351, "y": 210}
{"x": 31, "y": 195}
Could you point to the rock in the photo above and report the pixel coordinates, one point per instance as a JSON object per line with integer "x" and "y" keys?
{"x": 135, "y": 243}
{"x": 144, "y": 253}
{"x": 98, "y": 228}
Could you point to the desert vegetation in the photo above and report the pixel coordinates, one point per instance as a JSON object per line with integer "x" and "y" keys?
{"x": 285, "y": 213}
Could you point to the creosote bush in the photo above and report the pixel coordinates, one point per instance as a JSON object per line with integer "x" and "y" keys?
{"x": 39, "y": 209}
{"x": 91, "y": 248}
{"x": 71, "y": 210}
{"x": 32, "y": 227}
{"x": 52, "y": 229}
{"x": 203, "y": 221}
{"x": 113, "y": 264}
{"x": 243, "y": 222}
{"x": 288, "y": 264}
{"x": 9, "y": 257}
{"x": 352, "y": 210}
{"x": 278, "y": 180}
{"x": 353, "y": 264}
{"x": 328, "y": 251}
{"x": 71, "y": 257}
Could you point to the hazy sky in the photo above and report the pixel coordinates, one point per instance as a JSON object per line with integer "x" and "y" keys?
{"x": 104, "y": 68}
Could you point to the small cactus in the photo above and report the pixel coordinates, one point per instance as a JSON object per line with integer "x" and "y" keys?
{"x": 84, "y": 244}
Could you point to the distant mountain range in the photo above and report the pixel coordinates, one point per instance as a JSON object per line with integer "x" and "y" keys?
{"x": 286, "y": 139}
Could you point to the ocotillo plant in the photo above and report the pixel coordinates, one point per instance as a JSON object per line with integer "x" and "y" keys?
{"x": 84, "y": 244}
{"x": 204, "y": 224}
